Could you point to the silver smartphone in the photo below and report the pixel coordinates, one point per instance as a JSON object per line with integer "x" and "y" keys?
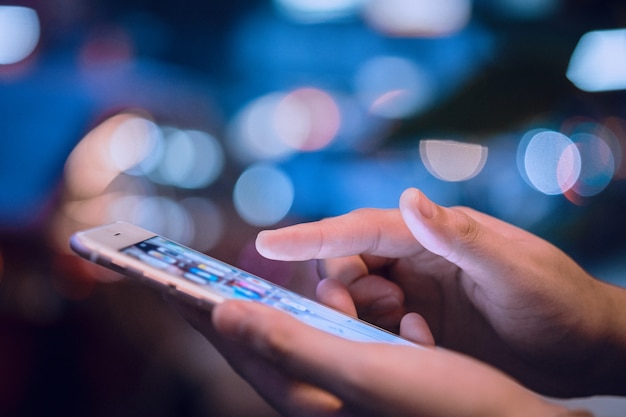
{"x": 205, "y": 281}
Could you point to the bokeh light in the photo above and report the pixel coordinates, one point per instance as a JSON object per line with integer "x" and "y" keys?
{"x": 608, "y": 131}
{"x": 263, "y": 195}
{"x": 132, "y": 141}
{"x": 315, "y": 11}
{"x": 159, "y": 214}
{"x": 307, "y": 119}
{"x": 253, "y": 135}
{"x": 19, "y": 33}
{"x": 450, "y": 160}
{"x": 412, "y": 18}
{"x": 599, "y": 61}
{"x": 597, "y": 164}
{"x": 549, "y": 161}
{"x": 122, "y": 171}
{"x": 189, "y": 159}
{"x": 393, "y": 87}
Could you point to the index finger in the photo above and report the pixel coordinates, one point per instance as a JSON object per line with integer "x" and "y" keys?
{"x": 363, "y": 231}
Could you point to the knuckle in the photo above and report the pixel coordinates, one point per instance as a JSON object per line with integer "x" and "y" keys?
{"x": 468, "y": 229}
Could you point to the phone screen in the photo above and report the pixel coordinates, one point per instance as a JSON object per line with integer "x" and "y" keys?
{"x": 233, "y": 283}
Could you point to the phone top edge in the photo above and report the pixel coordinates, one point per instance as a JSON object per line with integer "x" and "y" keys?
{"x": 78, "y": 247}
{"x": 115, "y": 235}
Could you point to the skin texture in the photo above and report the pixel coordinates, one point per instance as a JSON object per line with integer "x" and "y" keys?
{"x": 483, "y": 286}
{"x": 499, "y": 303}
{"x": 302, "y": 371}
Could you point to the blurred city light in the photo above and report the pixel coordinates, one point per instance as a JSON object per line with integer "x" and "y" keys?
{"x": 189, "y": 159}
{"x": 599, "y": 61}
{"x": 357, "y": 129}
{"x": 600, "y": 150}
{"x": 111, "y": 175}
{"x": 132, "y": 141}
{"x": 263, "y": 195}
{"x": 449, "y": 160}
{"x": 253, "y": 134}
{"x": 393, "y": 87}
{"x": 597, "y": 165}
{"x": 549, "y": 161}
{"x": 506, "y": 193}
{"x": 412, "y": 18}
{"x": 307, "y": 119}
{"x": 159, "y": 214}
{"x": 19, "y": 33}
{"x": 315, "y": 11}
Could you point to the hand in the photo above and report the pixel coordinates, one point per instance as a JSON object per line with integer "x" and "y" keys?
{"x": 485, "y": 287}
{"x": 302, "y": 371}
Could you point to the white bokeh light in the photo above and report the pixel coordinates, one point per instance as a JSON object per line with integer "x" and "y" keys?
{"x": 162, "y": 215}
{"x": 418, "y": 17}
{"x": 263, "y": 195}
{"x": 190, "y": 159}
{"x": 597, "y": 164}
{"x": 551, "y": 162}
{"x": 19, "y": 33}
{"x": 253, "y": 134}
{"x": 393, "y": 87}
{"x": 450, "y": 160}
{"x": 131, "y": 142}
{"x": 599, "y": 61}
{"x": 313, "y": 11}
{"x": 307, "y": 119}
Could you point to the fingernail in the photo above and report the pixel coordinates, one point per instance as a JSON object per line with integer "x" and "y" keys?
{"x": 261, "y": 243}
{"x": 425, "y": 206}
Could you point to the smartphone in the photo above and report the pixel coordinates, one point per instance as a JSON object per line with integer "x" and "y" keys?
{"x": 205, "y": 281}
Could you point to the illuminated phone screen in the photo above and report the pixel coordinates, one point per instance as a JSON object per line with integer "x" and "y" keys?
{"x": 233, "y": 283}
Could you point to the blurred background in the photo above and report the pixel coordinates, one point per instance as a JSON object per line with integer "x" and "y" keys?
{"x": 208, "y": 121}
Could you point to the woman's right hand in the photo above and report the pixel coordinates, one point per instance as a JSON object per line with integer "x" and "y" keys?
{"x": 484, "y": 287}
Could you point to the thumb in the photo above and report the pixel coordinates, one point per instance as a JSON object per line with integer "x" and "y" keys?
{"x": 415, "y": 328}
{"x": 453, "y": 234}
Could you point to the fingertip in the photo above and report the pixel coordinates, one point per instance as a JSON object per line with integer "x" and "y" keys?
{"x": 415, "y": 328}
{"x": 334, "y": 293}
{"x": 264, "y": 244}
{"x": 416, "y": 201}
{"x": 419, "y": 213}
